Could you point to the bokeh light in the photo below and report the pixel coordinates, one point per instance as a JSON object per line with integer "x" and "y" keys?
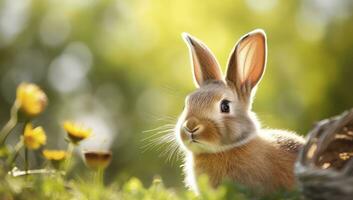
{"x": 121, "y": 67}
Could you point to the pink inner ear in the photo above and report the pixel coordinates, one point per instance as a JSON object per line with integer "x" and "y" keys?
{"x": 250, "y": 59}
{"x": 196, "y": 69}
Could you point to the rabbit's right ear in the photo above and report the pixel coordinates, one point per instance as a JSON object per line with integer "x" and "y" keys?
{"x": 247, "y": 62}
{"x": 204, "y": 63}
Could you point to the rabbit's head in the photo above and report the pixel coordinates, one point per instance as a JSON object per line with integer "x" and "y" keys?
{"x": 217, "y": 115}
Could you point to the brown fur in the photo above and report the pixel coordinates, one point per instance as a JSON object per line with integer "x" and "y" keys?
{"x": 260, "y": 163}
{"x": 228, "y": 143}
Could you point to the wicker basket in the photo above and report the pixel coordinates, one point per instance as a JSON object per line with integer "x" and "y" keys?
{"x": 325, "y": 166}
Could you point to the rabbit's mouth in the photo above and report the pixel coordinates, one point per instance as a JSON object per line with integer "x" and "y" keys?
{"x": 189, "y": 140}
{"x": 194, "y": 141}
{"x": 197, "y": 144}
{"x": 198, "y": 137}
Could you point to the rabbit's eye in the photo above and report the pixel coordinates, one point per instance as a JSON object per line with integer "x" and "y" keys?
{"x": 225, "y": 106}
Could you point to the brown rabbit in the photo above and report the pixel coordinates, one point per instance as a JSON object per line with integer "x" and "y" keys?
{"x": 219, "y": 133}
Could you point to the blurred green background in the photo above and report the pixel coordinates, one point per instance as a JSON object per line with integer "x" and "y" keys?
{"x": 121, "y": 66}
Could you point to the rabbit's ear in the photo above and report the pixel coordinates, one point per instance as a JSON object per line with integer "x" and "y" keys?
{"x": 204, "y": 63}
{"x": 247, "y": 62}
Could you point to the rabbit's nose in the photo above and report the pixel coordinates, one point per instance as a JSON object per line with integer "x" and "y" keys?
{"x": 191, "y": 125}
{"x": 192, "y": 130}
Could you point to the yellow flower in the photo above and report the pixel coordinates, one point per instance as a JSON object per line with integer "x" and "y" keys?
{"x": 34, "y": 138}
{"x": 76, "y": 132}
{"x": 97, "y": 159}
{"x": 55, "y": 155}
{"x": 31, "y": 98}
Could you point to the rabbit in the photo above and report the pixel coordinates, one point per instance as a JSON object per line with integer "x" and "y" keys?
{"x": 220, "y": 135}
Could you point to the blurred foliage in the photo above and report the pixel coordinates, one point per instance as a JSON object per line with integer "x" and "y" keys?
{"x": 55, "y": 187}
{"x": 121, "y": 67}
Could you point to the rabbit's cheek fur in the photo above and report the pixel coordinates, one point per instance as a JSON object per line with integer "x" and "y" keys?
{"x": 238, "y": 129}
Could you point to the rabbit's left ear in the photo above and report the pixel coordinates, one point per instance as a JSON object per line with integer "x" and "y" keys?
{"x": 204, "y": 63}
{"x": 247, "y": 61}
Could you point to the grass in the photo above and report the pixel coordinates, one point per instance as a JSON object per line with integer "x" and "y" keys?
{"x": 56, "y": 186}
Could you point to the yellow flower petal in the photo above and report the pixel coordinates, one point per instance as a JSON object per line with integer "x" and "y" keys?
{"x": 34, "y": 138}
{"x": 55, "y": 155}
{"x": 31, "y": 98}
{"x": 76, "y": 132}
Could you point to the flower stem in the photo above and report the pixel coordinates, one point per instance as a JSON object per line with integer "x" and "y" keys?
{"x": 70, "y": 149}
{"x": 26, "y": 160}
{"x": 6, "y": 130}
{"x": 26, "y": 149}
{"x": 13, "y": 157}
{"x": 98, "y": 176}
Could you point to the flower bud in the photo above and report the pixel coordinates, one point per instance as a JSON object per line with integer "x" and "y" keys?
{"x": 31, "y": 98}
{"x": 97, "y": 159}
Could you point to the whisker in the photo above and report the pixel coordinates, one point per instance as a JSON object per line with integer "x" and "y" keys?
{"x": 164, "y": 118}
{"x": 167, "y": 151}
{"x": 172, "y": 153}
{"x": 168, "y": 117}
{"x": 157, "y": 133}
{"x": 158, "y": 128}
{"x": 153, "y": 143}
{"x": 162, "y": 140}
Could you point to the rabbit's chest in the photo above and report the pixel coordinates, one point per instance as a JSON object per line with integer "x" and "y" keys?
{"x": 238, "y": 169}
